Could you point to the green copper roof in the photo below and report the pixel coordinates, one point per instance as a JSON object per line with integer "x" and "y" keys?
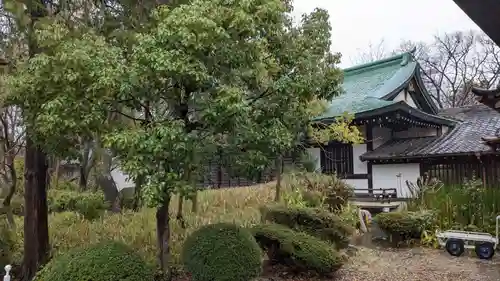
{"x": 366, "y": 86}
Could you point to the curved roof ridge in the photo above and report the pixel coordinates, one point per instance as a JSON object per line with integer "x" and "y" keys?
{"x": 402, "y": 58}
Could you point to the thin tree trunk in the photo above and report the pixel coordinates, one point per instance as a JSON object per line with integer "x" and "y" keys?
{"x": 194, "y": 201}
{"x": 82, "y": 183}
{"x": 85, "y": 165}
{"x": 163, "y": 235}
{"x": 13, "y": 180}
{"x": 12, "y": 190}
{"x": 180, "y": 217}
{"x": 279, "y": 168}
{"x": 56, "y": 172}
{"x": 136, "y": 204}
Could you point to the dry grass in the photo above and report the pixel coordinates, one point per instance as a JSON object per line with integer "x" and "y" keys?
{"x": 240, "y": 205}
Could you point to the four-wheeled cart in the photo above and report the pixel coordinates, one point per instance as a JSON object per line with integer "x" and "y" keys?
{"x": 455, "y": 242}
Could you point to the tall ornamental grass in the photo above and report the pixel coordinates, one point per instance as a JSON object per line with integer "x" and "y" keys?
{"x": 469, "y": 206}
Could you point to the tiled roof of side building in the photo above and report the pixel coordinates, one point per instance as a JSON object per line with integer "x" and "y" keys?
{"x": 399, "y": 148}
{"x": 365, "y": 86}
{"x": 477, "y": 122}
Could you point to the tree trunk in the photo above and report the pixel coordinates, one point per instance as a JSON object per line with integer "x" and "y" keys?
{"x": 136, "y": 204}
{"x": 56, "y": 171}
{"x": 86, "y": 163}
{"x": 82, "y": 183}
{"x": 279, "y": 170}
{"x": 194, "y": 201}
{"x": 180, "y": 217}
{"x": 13, "y": 180}
{"x": 163, "y": 234}
{"x": 12, "y": 190}
{"x": 36, "y": 232}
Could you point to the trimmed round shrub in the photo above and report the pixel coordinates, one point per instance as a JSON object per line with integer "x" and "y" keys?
{"x": 404, "y": 225}
{"x": 222, "y": 252}
{"x": 100, "y": 262}
{"x": 316, "y": 222}
{"x": 298, "y": 250}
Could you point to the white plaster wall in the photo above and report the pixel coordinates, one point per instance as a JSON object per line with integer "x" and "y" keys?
{"x": 121, "y": 180}
{"x": 359, "y": 166}
{"x": 380, "y": 136}
{"x": 386, "y": 176}
{"x": 358, "y": 184}
{"x": 406, "y": 97}
{"x": 414, "y": 132}
{"x": 315, "y": 155}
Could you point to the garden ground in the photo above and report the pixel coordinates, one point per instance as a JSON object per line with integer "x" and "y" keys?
{"x": 415, "y": 264}
{"x": 240, "y": 205}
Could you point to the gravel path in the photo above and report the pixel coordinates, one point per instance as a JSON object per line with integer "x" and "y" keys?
{"x": 415, "y": 264}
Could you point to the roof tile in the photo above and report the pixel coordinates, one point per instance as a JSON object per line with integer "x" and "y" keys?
{"x": 365, "y": 85}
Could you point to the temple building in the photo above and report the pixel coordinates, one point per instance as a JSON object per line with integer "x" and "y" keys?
{"x": 406, "y": 135}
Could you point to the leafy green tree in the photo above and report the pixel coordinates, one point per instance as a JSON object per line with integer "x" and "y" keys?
{"x": 238, "y": 78}
{"x": 235, "y": 77}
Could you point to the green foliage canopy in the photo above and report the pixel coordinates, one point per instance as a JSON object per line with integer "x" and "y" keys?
{"x": 236, "y": 78}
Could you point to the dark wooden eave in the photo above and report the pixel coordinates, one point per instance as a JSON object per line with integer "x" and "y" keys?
{"x": 490, "y": 98}
{"x": 485, "y": 13}
{"x": 398, "y": 107}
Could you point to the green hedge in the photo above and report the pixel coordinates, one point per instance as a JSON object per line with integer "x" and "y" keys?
{"x": 405, "y": 225}
{"x": 89, "y": 204}
{"x": 222, "y": 252}
{"x": 298, "y": 250}
{"x": 316, "y": 222}
{"x": 102, "y": 262}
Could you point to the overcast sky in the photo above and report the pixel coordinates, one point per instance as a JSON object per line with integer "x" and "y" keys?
{"x": 356, "y": 23}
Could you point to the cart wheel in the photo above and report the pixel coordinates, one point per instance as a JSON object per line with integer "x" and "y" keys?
{"x": 485, "y": 251}
{"x": 455, "y": 247}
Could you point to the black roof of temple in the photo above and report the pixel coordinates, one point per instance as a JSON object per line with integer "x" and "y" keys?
{"x": 398, "y": 148}
{"x": 476, "y": 123}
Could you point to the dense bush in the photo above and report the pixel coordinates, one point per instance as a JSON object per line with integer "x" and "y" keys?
{"x": 405, "y": 225}
{"x": 65, "y": 185}
{"x": 6, "y": 243}
{"x": 222, "y": 252}
{"x": 89, "y": 204}
{"x": 297, "y": 250}
{"x": 318, "y": 190}
{"x": 101, "y": 262}
{"x": 314, "y": 221}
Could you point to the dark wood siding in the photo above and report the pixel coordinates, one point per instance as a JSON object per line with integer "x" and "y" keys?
{"x": 337, "y": 158}
{"x": 216, "y": 176}
{"x": 456, "y": 170}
